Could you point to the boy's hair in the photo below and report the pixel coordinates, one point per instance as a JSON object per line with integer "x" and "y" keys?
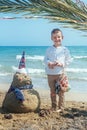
{"x": 55, "y": 30}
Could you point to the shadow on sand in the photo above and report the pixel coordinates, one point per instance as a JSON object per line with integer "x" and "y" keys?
{"x": 74, "y": 112}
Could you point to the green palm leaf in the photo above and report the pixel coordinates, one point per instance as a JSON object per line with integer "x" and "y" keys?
{"x": 69, "y": 12}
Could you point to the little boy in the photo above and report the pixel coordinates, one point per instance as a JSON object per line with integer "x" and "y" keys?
{"x": 56, "y": 59}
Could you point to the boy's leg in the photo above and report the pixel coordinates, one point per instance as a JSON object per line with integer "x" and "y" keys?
{"x": 51, "y": 82}
{"x": 61, "y": 95}
{"x": 61, "y": 100}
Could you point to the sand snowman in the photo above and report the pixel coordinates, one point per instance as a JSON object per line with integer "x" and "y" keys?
{"x": 21, "y": 96}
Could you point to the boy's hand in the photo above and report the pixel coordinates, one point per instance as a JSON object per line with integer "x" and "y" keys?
{"x": 58, "y": 64}
{"x": 51, "y": 65}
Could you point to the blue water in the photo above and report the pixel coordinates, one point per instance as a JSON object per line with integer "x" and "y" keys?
{"x": 10, "y": 57}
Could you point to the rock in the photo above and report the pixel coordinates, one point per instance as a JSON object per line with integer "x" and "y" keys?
{"x": 8, "y": 116}
{"x": 44, "y": 112}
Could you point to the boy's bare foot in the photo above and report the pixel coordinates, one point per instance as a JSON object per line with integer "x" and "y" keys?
{"x": 59, "y": 110}
{"x": 53, "y": 109}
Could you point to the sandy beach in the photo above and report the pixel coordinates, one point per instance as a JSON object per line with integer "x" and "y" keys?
{"x": 74, "y": 116}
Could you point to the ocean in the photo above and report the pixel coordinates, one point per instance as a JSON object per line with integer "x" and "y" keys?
{"x": 76, "y": 71}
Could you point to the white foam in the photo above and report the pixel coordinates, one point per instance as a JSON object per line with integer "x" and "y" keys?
{"x": 18, "y": 57}
{"x": 76, "y": 70}
{"x": 14, "y": 68}
{"x": 35, "y": 57}
{"x": 80, "y": 57}
{"x": 32, "y": 71}
{"x": 4, "y": 74}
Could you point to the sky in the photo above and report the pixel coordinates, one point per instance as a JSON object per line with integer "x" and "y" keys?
{"x": 36, "y": 32}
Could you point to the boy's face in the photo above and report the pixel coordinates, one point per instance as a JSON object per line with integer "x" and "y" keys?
{"x": 57, "y": 38}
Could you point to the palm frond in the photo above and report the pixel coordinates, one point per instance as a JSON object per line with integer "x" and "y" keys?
{"x": 72, "y": 13}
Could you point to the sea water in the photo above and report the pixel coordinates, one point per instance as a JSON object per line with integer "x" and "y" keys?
{"x": 10, "y": 57}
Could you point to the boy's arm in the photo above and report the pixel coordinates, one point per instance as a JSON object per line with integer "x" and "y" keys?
{"x": 46, "y": 59}
{"x": 68, "y": 58}
{"x": 48, "y": 62}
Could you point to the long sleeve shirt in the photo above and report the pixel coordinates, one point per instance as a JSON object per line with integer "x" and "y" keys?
{"x": 60, "y": 54}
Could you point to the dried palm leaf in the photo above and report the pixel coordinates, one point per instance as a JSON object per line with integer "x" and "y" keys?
{"x": 72, "y": 13}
